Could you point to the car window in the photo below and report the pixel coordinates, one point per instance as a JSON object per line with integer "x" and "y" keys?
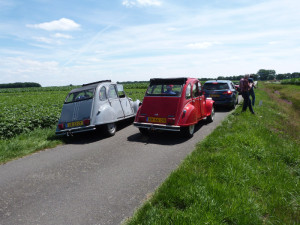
{"x": 80, "y": 95}
{"x": 199, "y": 86}
{"x": 195, "y": 90}
{"x": 121, "y": 92}
{"x": 164, "y": 90}
{"x": 232, "y": 86}
{"x": 102, "y": 94}
{"x": 188, "y": 92}
{"x": 215, "y": 86}
{"x": 112, "y": 92}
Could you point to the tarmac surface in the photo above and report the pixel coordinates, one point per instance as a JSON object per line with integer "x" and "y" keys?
{"x": 93, "y": 179}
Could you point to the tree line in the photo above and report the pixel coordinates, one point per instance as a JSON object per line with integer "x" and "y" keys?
{"x": 20, "y": 85}
{"x": 263, "y": 74}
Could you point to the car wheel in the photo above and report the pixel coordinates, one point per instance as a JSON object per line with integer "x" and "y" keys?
{"x": 144, "y": 131}
{"x": 210, "y": 118}
{"x": 188, "y": 131}
{"x": 111, "y": 129}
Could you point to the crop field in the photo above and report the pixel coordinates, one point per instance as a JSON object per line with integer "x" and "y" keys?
{"x": 25, "y": 109}
{"x": 295, "y": 81}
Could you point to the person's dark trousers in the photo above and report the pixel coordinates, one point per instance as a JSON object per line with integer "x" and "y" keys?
{"x": 247, "y": 102}
{"x": 252, "y": 94}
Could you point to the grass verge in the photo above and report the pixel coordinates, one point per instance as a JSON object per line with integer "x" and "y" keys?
{"x": 245, "y": 172}
{"x": 28, "y": 143}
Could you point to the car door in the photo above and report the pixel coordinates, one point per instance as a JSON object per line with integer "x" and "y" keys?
{"x": 196, "y": 100}
{"x": 202, "y": 101}
{"x": 114, "y": 101}
{"x": 232, "y": 87}
{"x": 127, "y": 109}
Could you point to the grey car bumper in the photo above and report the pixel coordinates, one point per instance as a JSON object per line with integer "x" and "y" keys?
{"x": 75, "y": 130}
{"x": 152, "y": 126}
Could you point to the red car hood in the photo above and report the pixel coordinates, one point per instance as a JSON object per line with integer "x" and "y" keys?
{"x": 162, "y": 107}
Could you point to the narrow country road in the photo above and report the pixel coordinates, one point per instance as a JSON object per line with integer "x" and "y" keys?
{"x": 92, "y": 180}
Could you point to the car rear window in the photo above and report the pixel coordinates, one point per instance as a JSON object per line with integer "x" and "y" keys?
{"x": 215, "y": 86}
{"x": 80, "y": 95}
{"x": 164, "y": 90}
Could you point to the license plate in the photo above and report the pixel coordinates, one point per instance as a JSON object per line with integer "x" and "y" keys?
{"x": 214, "y": 95}
{"x": 75, "y": 124}
{"x": 156, "y": 120}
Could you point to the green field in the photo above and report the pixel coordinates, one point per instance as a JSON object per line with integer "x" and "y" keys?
{"x": 294, "y": 81}
{"x": 25, "y": 109}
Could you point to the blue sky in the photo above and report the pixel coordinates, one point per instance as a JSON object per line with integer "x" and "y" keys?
{"x": 55, "y": 42}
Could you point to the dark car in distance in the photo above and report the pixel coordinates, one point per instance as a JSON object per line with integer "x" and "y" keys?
{"x": 223, "y": 92}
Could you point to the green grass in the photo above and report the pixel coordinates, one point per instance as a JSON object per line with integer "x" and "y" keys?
{"x": 245, "y": 172}
{"x": 294, "y": 81}
{"x": 287, "y": 92}
{"x": 28, "y": 143}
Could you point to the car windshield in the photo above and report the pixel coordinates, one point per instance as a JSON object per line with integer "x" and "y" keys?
{"x": 215, "y": 86}
{"x": 80, "y": 95}
{"x": 164, "y": 90}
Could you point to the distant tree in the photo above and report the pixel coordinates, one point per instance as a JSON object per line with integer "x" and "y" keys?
{"x": 266, "y": 74}
{"x": 296, "y": 75}
{"x": 280, "y": 76}
{"x": 20, "y": 85}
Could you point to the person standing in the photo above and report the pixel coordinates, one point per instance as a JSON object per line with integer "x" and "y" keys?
{"x": 251, "y": 92}
{"x": 245, "y": 87}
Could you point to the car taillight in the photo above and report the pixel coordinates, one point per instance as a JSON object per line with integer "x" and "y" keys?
{"x": 61, "y": 126}
{"x": 87, "y": 122}
{"x": 227, "y": 92}
{"x": 171, "y": 121}
{"x": 142, "y": 119}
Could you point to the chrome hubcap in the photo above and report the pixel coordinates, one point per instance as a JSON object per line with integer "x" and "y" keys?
{"x": 191, "y": 129}
{"x": 111, "y": 127}
{"x": 212, "y": 113}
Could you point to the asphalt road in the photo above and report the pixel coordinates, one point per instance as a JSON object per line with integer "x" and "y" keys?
{"x": 92, "y": 180}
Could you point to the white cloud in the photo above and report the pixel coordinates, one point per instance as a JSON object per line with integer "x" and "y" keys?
{"x": 273, "y": 42}
{"x": 62, "y": 24}
{"x": 59, "y": 35}
{"x": 131, "y": 3}
{"x": 27, "y": 70}
{"x": 149, "y": 2}
{"x": 46, "y": 40}
{"x": 128, "y": 3}
{"x": 202, "y": 45}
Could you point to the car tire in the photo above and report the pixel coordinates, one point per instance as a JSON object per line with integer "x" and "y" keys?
{"x": 144, "y": 131}
{"x": 111, "y": 129}
{"x": 210, "y": 118}
{"x": 188, "y": 131}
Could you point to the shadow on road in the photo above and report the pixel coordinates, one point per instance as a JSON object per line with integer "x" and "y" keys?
{"x": 163, "y": 137}
{"x": 92, "y": 136}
